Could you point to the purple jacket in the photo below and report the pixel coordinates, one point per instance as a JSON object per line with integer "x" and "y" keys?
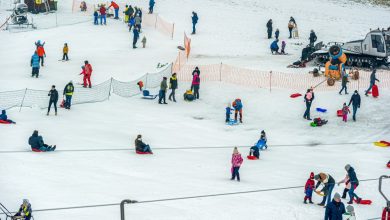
{"x": 195, "y": 80}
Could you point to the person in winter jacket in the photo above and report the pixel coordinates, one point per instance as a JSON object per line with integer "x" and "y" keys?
{"x": 196, "y": 85}
{"x": 37, "y": 144}
{"x": 335, "y": 209}
{"x": 255, "y": 150}
{"x": 237, "y": 105}
{"x": 196, "y": 70}
{"x": 65, "y": 52}
{"x": 355, "y": 100}
{"x": 283, "y": 47}
{"x": 143, "y": 42}
{"x": 126, "y": 13}
{"x": 312, "y": 38}
{"x": 309, "y": 187}
{"x": 269, "y": 28}
{"x": 151, "y": 6}
{"x": 277, "y": 33}
{"x": 135, "y": 36}
{"x": 345, "y": 110}
{"x": 309, "y": 97}
{"x": 263, "y": 136}
{"x": 194, "y": 19}
{"x": 41, "y": 53}
{"x": 103, "y": 15}
{"x": 373, "y": 79}
{"x": 131, "y": 22}
{"x": 68, "y": 93}
{"x": 53, "y": 94}
{"x": 4, "y": 117}
{"x": 236, "y": 164}
{"x": 344, "y": 81}
{"x": 228, "y": 112}
{"x": 291, "y": 26}
{"x": 131, "y": 11}
{"x": 173, "y": 87}
{"x": 24, "y": 212}
{"x": 116, "y": 9}
{"x": 354, "y": 184}
{"x": 328, "y": 182}
{"x": 163, "y": 91}
{"x": 35, "y": 65}
{"x": 87, "y": 74}
{"x": 138, "y": 21}
{"x": 347, "y": 186}
{"x": 140, "y": 146}
{"x": 274, "y": 47}
{"x": 95, "y": 17}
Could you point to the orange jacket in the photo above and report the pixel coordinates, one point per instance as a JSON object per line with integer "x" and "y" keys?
{"x": 115, "y": 5}
{"x": 41, "y": 51}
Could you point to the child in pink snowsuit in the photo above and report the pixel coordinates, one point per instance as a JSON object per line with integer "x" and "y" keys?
{"x": 347, "y": 186}
{"x": 236, "y": 163}
{"x": 345, "y": 112}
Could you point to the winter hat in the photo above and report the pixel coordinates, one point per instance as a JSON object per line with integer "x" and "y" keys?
{"x": 235, "y": 151}
{"x": 347, "y": 167}
{"x": 350, "y": 209}
{"x": 139, "y": 136}
{"x": 336, "y": 196}
{"x": 311, "y": 175}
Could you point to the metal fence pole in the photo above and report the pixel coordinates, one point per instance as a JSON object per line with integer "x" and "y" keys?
{"x": 109, "y": 91}
{"x": 21, "y": 104}
{"x": 122, "y": 207}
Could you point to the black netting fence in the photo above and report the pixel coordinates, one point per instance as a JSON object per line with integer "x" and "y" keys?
{"x": 98, "y": 93}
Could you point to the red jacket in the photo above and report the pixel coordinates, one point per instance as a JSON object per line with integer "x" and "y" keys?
{"x": 309, "y": 184}
{"x": 115, "y": 5}
{"x": 41, "y": 51}
{"x": 196, "y": 80}
{"x": 102, "y": 10}
{"x": 88, "y": 69}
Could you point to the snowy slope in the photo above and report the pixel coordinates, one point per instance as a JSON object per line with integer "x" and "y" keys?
{"x": 229, "y": 31}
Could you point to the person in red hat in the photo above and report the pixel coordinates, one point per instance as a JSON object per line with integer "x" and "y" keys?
{"x": 309, "y": 187}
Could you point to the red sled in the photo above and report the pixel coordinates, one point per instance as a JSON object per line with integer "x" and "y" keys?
{"x": 363, "y": 201}
{"x": 62, "y": 105}
{"x": 375, "y": 91}
{"x": 4, "y": 122}
{"x": 141, "y": 152}
{"x": 339, "y": 113}
{"x": 36, "y": 150}
{"x": 385, "y": 142}
{"x": 295, "y": 95}
{"x": 252, "y": 157}
{"x": 388, "y": 165}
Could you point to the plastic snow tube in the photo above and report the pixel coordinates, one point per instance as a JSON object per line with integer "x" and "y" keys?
{"x": 295, "y": 95}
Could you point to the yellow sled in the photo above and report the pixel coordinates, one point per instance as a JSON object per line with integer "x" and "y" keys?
{"x": 379, "y": 144}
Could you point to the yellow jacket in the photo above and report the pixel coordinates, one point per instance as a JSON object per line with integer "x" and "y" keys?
{"x": 65, "y": 49}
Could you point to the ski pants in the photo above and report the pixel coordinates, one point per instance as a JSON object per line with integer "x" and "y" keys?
{"x": 351, "y": 192}
{"x": 328, "y": 194}
{"x": 68, "y": 101}
{"x": 52, "y": 103}
{"x": 235, "y": 173}
{"x": 307, "y": 112}
{"x": 172, "y": 95}
{"x": 354, "y": 110}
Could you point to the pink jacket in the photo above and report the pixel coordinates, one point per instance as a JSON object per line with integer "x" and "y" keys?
{"x": 236, "y": 160}
{"x": 196, "y": 80}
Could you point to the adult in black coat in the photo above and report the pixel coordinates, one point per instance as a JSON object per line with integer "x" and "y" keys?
{"x": 335, "y": 209}
{"x": 140, "y": 146}
{"x": 173, "y": 87}
{"x": 355, "y": 101}
{"x": 312, "y": 38}
{"x": 36, "y": 143}
{"x": 269, "y": 28}
{"x": 53, "y": 93}
{"x": 194, "y": 22}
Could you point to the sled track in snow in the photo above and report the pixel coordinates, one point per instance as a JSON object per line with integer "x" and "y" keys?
{"x": 182, "y": 198}
{"x": 312, "y": 145}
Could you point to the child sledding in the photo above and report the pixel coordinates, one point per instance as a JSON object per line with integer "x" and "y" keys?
{"x": 37, "y": 144}
{"x": 254, "y": 152}
{"x": 4, "y": 118}
{"x": 318, "y": 122}
{"x": 141, "y": 147}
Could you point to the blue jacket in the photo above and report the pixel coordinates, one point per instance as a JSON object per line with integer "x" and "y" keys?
{"x": 238, "y": 105}
{"x": 35, "y": 141}
{"x": 274, "y": 45}
{"x": 151, "y": 3}
{"x": 95, "y": 14}
{"x": 228, "y": 110}
{"x": 276, "y": 34}
{"x": 195, "y": 18}
{"x": 260, "y": 143}
{"x": 334, "y": 211}
{"x": 136, "y": 33}
{"x": 355, "y": 100}
{"x": 35, "y": 60}
{"x": 132, "y": 21}
{"x": 352, "y": 176}
{"x": 3, "y": 115}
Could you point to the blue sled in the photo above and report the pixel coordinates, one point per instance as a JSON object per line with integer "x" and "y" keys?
{"x": 232, "y": 122}
{"x": 321, "y": 110}
{"x": 146, "y": 95}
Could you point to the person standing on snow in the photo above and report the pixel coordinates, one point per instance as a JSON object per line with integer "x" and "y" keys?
{"x": 344, "y": 81}
{"x": 283, "y": 48}
{"x": 53, "y": 99}
{"x": 135, "y": 36}
{"x": 312, "y": 38}
{"x": 68, "y": 93}
{"x": 173, "y": 87}
{"x": 237, "y": 105}
{"x": 35, "y": 65}
{"x": 309, "y": 97}
{"x": 151, "y": 6}
{"x": 335, "y": 209}
{"x": 269, "y": 28}
{"x": 345, "y": 111}
{"x": 95, "y": 17}
{"x": 354, "y": 184}
{"x": 355, "y": 100}
{"x": 102, "y": 11}
{"x": 277, "y": 33}
{"x": 163, "y": 91}
{"x": 196, "y": 85}
{"x": 87, "y": 74}
{"x": 194, "y": 22}
{"x": 236, "y": 164}
{"x": 328, "y": 182}
{"x": 41, "y": 53}
{"x": 65, "y": 52}
{"x": 116, "y": 9}
{"x": 373, "y": 79}
{"x": 291, "y": 25}
{"x": 309, "y": 187}
{"x": 347, "y": 183}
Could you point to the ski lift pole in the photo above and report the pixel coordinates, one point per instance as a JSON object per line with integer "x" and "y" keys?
{"x": 122, "y": 207}
{"x": 386, "y": 210}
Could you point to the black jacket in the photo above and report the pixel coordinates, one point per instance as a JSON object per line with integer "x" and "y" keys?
{"x": 269, "y": 25}
{"x": 355, "y": 100}
{"x": 35, "y": 141}
{"x": 173, "y": 83}
{"x": 313, "y": 37}
{"x": 139, "y": 145}
{"x": 53, "y": 95}
{"x": 334, "y": 211}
